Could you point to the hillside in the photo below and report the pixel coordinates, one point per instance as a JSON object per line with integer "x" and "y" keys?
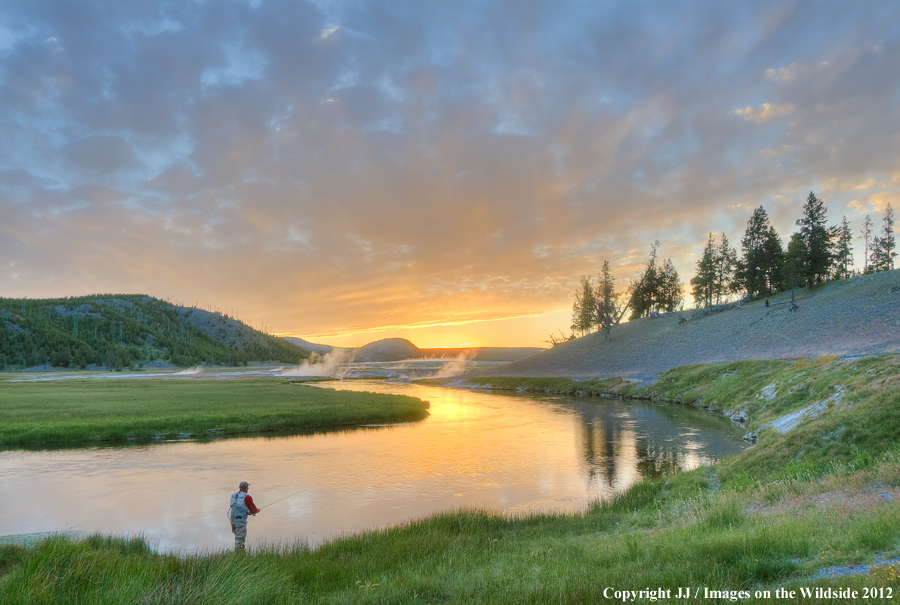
{"x": 859, "y": 316}
{"x": 400, "y": 349}
{"x": 120, "y": 331}
{"x": 309, "y": 346}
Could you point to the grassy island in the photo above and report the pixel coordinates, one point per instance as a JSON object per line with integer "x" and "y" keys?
{"x": 119, "y": 410}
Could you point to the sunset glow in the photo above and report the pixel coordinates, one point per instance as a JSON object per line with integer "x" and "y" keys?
{"x": 442, "y": 172}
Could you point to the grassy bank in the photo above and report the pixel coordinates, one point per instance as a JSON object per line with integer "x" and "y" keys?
{"x": 94, "y": 410}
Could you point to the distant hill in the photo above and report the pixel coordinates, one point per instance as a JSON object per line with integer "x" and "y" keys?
{"x": 854, "y": 317}
{"x": 398, "y": 349}
{"x": 309, "y": 346}
{"x": 389, "y": 349}
{"x": 122, "y": 331}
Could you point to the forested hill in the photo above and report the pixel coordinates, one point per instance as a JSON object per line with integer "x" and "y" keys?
{"x": 125, "y": 331}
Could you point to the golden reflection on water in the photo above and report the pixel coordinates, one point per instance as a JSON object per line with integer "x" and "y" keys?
{"x": 481, "y": 450}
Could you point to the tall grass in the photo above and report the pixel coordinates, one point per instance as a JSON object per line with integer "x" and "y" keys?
{"x": 91, "y": 410}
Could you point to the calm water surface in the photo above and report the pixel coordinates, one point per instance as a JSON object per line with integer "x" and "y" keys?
{"x": 509, "y": 453}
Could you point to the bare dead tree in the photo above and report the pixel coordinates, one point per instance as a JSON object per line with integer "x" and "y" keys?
{"x": 554, "y": 340}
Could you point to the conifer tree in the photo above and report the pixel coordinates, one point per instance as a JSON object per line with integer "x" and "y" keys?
{"x": 726, "y": 263}
{"x": 888, "y": 241}
{"x": 703, "y": 282}
{"x": 607, "y": 309}
{"x": 584, "y": 311}
{"x": 759, "y": 270}
{"x": 774, "y": 258}
{"x": 669, "y": 295}
{"x": 883, "y": 254}
{"x": 656, "y": 288}
{"x": 842, "y": 255}
{"x": 793, "y": 263}
{"x": 815, "y": 242}
{"x": 866, "y": 233}
{"x": 577, "y": 308}
{"x": 643, "y": 287}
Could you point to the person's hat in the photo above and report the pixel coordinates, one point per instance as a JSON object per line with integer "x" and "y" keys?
{"x": 244, "y": 485}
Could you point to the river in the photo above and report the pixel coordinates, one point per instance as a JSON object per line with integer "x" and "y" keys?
{"x": 501, "y": 452}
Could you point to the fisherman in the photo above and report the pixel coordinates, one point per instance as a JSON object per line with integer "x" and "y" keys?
{"x": 241, "y": 506}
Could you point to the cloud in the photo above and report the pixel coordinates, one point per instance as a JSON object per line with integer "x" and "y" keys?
{"x": 764, "y": 112}
{"x": 795, "y": 71}
{"x": 880, "y": 201}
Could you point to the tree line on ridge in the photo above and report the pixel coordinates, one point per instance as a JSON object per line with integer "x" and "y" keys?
{"x": 814, "y": 254}
{"x": 127, "y": 331}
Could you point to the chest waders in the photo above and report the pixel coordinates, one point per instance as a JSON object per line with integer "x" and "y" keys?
{"x": 237, "y": 514}
{"x": 237, "y": 510}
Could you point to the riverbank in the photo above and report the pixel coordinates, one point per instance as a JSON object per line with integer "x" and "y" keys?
{"x": 88, "y": 410}
{"x": 806, "y": 500}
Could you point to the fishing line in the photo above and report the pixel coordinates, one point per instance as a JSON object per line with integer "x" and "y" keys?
{"x": 285, "y": 498}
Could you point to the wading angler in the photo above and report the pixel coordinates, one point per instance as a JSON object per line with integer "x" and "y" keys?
{"x": 240, "y": 507}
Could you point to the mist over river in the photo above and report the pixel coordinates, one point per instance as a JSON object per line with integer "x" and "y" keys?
{"x": 502, "y": 452}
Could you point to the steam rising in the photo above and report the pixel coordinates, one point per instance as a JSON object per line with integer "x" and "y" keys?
{"x": 457, "y": 366}
{"x": 339, "y": 363}
{"x": 189, "y": 371}
{"x": 326, "y": 365}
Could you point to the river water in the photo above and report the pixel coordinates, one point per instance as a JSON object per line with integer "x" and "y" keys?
{"x": 501, "y": 452}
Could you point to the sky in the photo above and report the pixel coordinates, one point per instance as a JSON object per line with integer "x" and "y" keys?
{"x": 438, "y": 171}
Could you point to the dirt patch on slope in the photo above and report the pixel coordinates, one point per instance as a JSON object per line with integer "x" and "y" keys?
{"x": 843, "y": 500}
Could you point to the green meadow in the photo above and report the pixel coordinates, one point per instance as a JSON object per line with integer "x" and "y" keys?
{"x": 826, "y": 493}
{"x": 119, "y": 410}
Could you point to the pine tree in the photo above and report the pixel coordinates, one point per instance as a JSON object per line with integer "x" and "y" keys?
{"x": 759, "y": 270}
{"x": 866, "y": 233}
{"x": 841, "y": 238}
{"x": 815, "y": 242}
{"x": 725, "y": 283}
{"x": 888, "y": 241}
{"x": 703, "y": 283}
{"x": 670, "y": 293}
{"x": 656, "y": 288}
{"x": 607, "y": 311}
{"x": 584, "y": 310}
{"x": 793, "y": 262}
{"x": 716, "y": 273}
{"x": 643, "y": 287}
{"x": 589, "y": 302}
{"x": 883, "y": 254}
{"x": 576, "y": 312}
{"x": 774, "y": 254}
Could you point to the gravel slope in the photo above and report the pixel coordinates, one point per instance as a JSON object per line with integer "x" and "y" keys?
{"x": 853, "y": 317}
